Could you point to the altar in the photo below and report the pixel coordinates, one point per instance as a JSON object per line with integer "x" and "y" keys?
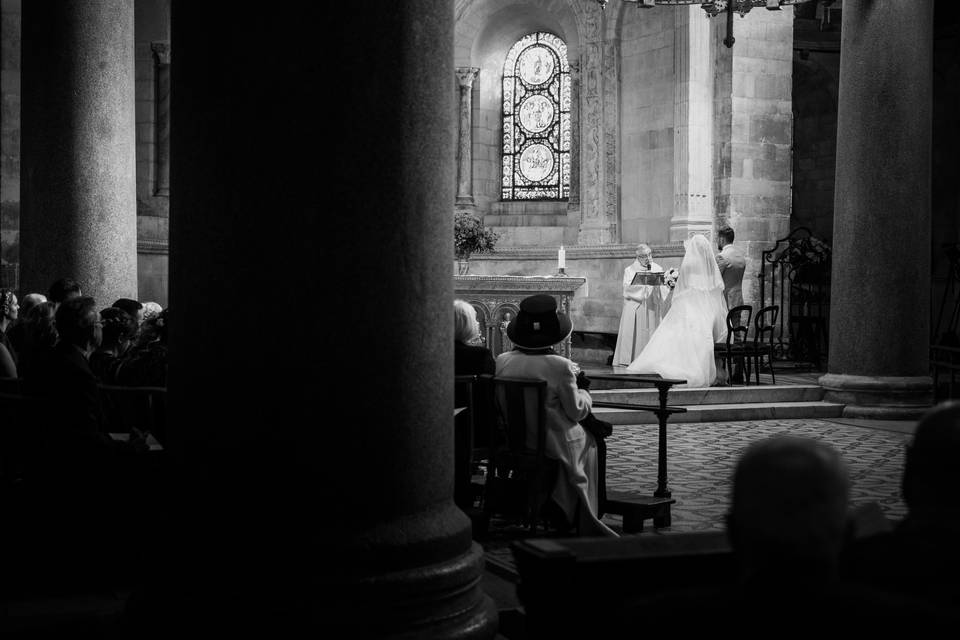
{"x": 497, "y": 301}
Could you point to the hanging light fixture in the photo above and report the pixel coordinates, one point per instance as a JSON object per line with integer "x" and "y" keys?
{"x": 716, "y": 7}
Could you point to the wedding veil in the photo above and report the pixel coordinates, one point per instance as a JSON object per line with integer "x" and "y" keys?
{"x": 699, "y": 269}
{"x": 682, "y": 346}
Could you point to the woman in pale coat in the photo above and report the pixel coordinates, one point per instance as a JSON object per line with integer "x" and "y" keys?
{"x": 537, "y": 327}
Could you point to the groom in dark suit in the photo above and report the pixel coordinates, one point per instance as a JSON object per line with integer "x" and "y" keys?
{"x": 732, "y": 263}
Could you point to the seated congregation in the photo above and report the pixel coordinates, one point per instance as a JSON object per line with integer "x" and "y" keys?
{"x": 81, "y": 399}
{"x": 794, "y": 556}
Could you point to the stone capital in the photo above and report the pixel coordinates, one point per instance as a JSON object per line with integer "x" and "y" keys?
{"x": 161, "y": 52}
{"x": 466, "y": 76}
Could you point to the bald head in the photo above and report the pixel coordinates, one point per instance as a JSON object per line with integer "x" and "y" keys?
{"x": 931, "y": 474}
{"x": 789, "y": 501}
{"x": 31, "y": 300}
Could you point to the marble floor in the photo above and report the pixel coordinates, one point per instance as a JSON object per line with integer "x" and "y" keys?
{"x": 701, "y": 462}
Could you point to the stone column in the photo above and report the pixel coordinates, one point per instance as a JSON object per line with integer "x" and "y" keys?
{"x": 880, "y": 296}
{"x": 572, "y": 231}
{"x": 693, "y": 124}
{"x": 316, "y": 448}
{"x": 465, "y": 78}
{"x": 161, "y": 52}
{"x": 79, "y": 209}
{"x": 574, "y": 200}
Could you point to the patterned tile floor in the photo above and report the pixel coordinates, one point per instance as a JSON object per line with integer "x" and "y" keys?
{"x": 701, "y": 459}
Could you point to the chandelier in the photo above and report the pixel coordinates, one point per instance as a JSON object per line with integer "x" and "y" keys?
{"x": 716, "y": 7}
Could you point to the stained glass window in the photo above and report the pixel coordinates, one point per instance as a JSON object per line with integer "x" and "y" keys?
{"x": 536, "y": 119}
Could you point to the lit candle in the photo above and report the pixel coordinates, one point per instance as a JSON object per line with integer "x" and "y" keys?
{"x": 561, "y": 258}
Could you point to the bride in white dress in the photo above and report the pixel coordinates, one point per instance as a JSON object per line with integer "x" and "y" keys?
{"x": 682, "y": 346}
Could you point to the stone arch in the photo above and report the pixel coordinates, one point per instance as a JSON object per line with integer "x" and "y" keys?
{"x": 485, "y": 31}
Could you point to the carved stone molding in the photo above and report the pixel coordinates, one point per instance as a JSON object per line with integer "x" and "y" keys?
{"x": 574, "y": 199}
{"x": 161, "y": 52}
{"x": 155, "y": 247}
{"x": 599, "y": 130}
{"x": 580, "y": 252}
{"x": 466, "y": 76}
{"x": 497, "y": 300}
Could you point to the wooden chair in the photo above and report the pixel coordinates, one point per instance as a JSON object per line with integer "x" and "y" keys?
{"x": 20, "y": 438}
{"x": 143, "y": 408}
{"x": 11, "y": 386}
{"x": 464, "y": 426}
{"x": 520, "y": 477}
{"x": 763, "y": 329}
{"x": 736, "y": 348}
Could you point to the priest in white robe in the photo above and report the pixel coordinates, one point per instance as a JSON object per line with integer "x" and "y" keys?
{"x": 644, "y": 306}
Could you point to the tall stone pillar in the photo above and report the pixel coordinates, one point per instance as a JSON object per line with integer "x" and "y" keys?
{"x": 465, "y": 78}
{"x": 311, "y": 371}
{"x": 880, "y": 296}
{"x": 79, "y": 207}
{"x": 693, "y": 124}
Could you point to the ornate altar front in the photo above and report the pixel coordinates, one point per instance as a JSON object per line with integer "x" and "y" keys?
{"x": 497, "y": 300}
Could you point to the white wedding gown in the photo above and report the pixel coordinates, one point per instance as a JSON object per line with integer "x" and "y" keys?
{"x": 682, "y": 346}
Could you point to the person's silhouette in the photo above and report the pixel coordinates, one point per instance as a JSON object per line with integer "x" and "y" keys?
{"x": 920, "y": 556}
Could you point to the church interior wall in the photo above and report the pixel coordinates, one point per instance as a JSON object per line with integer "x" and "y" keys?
{"x": 10, "y": 137}
{"x": 152, "y": 28}
{"x": 753, "y": 185}
{"x": 485, "y": 32}
{"x": 945, "y": 187}
{"x": 816, "y": 81}
{"x": 647, "y": 124}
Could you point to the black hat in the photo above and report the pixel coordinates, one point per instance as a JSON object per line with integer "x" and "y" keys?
{"x": 538, "y": 324}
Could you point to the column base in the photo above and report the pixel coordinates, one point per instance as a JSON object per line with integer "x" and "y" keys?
{"x": 879, "y": 397}
{"x": 442, "y": 600}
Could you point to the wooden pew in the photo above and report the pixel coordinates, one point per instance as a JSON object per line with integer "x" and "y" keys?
{"x": 599, "y": 587}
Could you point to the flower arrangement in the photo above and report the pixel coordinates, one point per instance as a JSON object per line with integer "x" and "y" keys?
{"x": 470, "y": 236}
{"x": 808, "y": 250}
{"x": 670, "y": 277}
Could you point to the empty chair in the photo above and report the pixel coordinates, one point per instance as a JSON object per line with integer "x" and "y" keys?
{"x": 141, "y": 408}
{"x": 520, "y": 477}
{"x": 736, "y": 348}
{"x": 464, "y": 425}
{"x": 763, "y": 329}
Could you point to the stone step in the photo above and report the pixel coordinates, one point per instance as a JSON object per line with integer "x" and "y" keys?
{"x": 728, "y": 412}
{"x": 715, "y": 395}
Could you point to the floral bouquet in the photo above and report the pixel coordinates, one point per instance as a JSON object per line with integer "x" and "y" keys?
{"x": 470, "y": 236}
{"x": 670, "y": 277}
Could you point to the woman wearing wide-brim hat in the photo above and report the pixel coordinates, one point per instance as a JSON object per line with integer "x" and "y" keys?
{"x": 537, "y": 327}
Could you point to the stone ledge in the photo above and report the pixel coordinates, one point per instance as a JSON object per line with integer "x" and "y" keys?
{"x": 153, "y": 247}
{"x": 580, "y": 252}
